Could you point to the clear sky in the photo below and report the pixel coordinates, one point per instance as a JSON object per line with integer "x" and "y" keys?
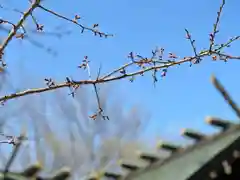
{"x": 184, "y": 97}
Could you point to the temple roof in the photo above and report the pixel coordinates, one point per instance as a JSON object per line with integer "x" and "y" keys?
{"x": 185, "y": 162}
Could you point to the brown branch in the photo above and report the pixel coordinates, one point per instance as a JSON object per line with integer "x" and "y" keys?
{"x": 109, "y": 77}
{"x": 95, "y": 31}
{"x": 92, "y": 82}
{"x": 14, "y": 29}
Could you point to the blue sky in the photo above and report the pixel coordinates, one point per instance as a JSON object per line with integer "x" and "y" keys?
{"x": 183, "y": 98}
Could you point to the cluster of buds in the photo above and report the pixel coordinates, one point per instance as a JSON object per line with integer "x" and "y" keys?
{"x": 164, "y": 72}
{"x": 76, "y": 17}
{"x": 49, "y": 82}
{"x": 158, "y": 51}
{"x": 40, "y": 27}
{"x": 211, "y": 37}
{"x": 95, "y": 25}
{"x": 13, "y": 140}
{"x": 20, "y": 36}
{"x": 131, "y": 55}
{"x": 72, "y": 86}
{"x": 172, "y": 56}
{"x": 99, "y": 113}
{"x": 214, "y": 58}
{"x": 85, "y": 62}
{"x": 188, "y": 36}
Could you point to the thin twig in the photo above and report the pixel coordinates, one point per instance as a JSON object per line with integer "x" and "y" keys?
{"x": 215, "y": 26}
{"x": 192, "y": 42}
{"x": 75, "y": 22}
